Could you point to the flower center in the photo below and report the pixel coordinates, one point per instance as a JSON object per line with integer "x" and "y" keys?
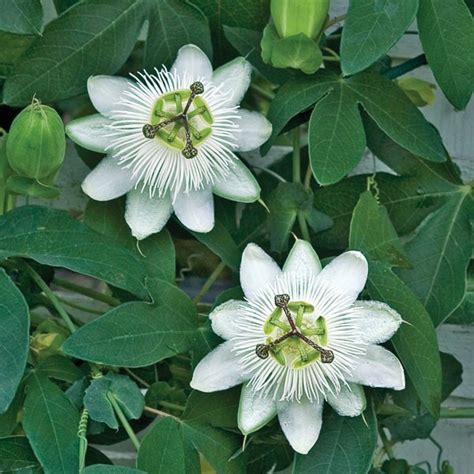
{"x": 295, "y": 335}
{"x": 181, "y": 120}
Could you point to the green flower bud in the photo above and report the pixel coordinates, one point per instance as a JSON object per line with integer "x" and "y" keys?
{"x": 292, "y": 17}
{"x": 420, "y": 92}
{"x": 36, "y": 142}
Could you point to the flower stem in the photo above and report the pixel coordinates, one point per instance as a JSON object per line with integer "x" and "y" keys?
{"x": 304, "y": 227}
{"x": 95, "y": 295}
{"x": 123, "y": 420}
{"x": 51, "y": 296}
{"x": 405, "y": 67}
{"x": 452, "y": 412}
{"x": 209, "y": 282}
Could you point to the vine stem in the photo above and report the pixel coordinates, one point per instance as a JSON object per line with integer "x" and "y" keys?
{"x": 136, "y": 377}
{"x": 308, "y": 176}
{"x": 123, "y": 420}
{"x": 209, "y": 282}
{"x": 95, "y": 295}
{"x": 51, "y": 296}
{"x": 405, "y": 67}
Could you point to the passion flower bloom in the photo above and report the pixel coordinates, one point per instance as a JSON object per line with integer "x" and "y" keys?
{"x": 170, "y": 138}
{"x": 300, "y": 338}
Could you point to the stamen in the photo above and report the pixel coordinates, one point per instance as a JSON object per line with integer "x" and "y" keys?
{"x": 282, "y": 301}
{"x": 150, "y": 131}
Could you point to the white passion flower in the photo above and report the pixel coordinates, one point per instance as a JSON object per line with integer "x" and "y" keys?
{"x": 170, "y": 138}
{"x": 300, "y": 338}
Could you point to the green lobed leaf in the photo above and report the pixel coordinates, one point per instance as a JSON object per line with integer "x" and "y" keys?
{"x": 16, "y": 455}
{"x": 174, "y": 23}
{"x": 92, "y": 37}
{"x": 51, "y": 237}
{"x": 50, "y": 422}
{"x": 164, "y": 450}
{"x": 345, "y": 445}
{"x": 59, "y": 368}
{"x": 138, "y": 334}
{"x": 243, "y": 14}
{"x": 447, "y": 35}
{"x": 21, "y": 16}
{"x": 336, "y": 129}
{"x": 156, "y": 253}
{"x": 14, "y": 338}
{"x": 336, "y": 143}
{"x": 13, "y": 46}
{"x": 415, "y": 341}
{"x": 440, "y": 252}
{"x": 371, "y": 28}
{"x": 172, "y": 442}
{"x": 421, "y": 189}
{"x": 126, "y": 393}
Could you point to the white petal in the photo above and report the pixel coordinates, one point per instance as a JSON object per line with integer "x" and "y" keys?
{"x": 238, "y": 185}
{"x": 378, "y": 368}
{"x": 224, "y": 317}
{"x": 255, "y": 410}
{"x": 350, "y": 401}
{"x": 195, "y": 210}
{"x": 301, "y": 423}
{"x": 254, "y": 130}
{"x": 108, "y": 180}
{"x": 378, "y": 322}
{"x": 235, "y": 79}
{"x": 90, "y": 132}
{"x": 192, "y": 62}
{"x": 106, "y": 91}
{"x": 257, "y": 270}
{"x": 302, "y": 259}
{"x": 146, "y": 215}
{"x": 347, "y": 273}
{"x": 219, "y": 370}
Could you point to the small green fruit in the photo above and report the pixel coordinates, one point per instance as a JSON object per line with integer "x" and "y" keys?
{"x": 292, "y": 17}
{"x": 36, "y": 142}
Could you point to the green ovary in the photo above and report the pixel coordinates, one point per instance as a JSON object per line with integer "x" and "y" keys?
{"x": 198, "y": 116}
{"x": 293, "y": 351}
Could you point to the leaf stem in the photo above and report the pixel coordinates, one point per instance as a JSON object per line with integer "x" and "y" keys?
{"x": 335, "y": 20}
{"x": 209, "y": 282}
{"x": 263, "y": 92}
{"x": 159, "y": 412}
{"x": 136, "y": 377}
{"x": 172, "y": 406}
{"x": 51, "y": 296}
{"x": 123, "y": 420}
{"x": 405, "y": 67}
{"x": 386, "y": 443}
{"x": 271, "y": 173}
{"x": 454, "y": 412}
{"x": 95, "y": 295}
